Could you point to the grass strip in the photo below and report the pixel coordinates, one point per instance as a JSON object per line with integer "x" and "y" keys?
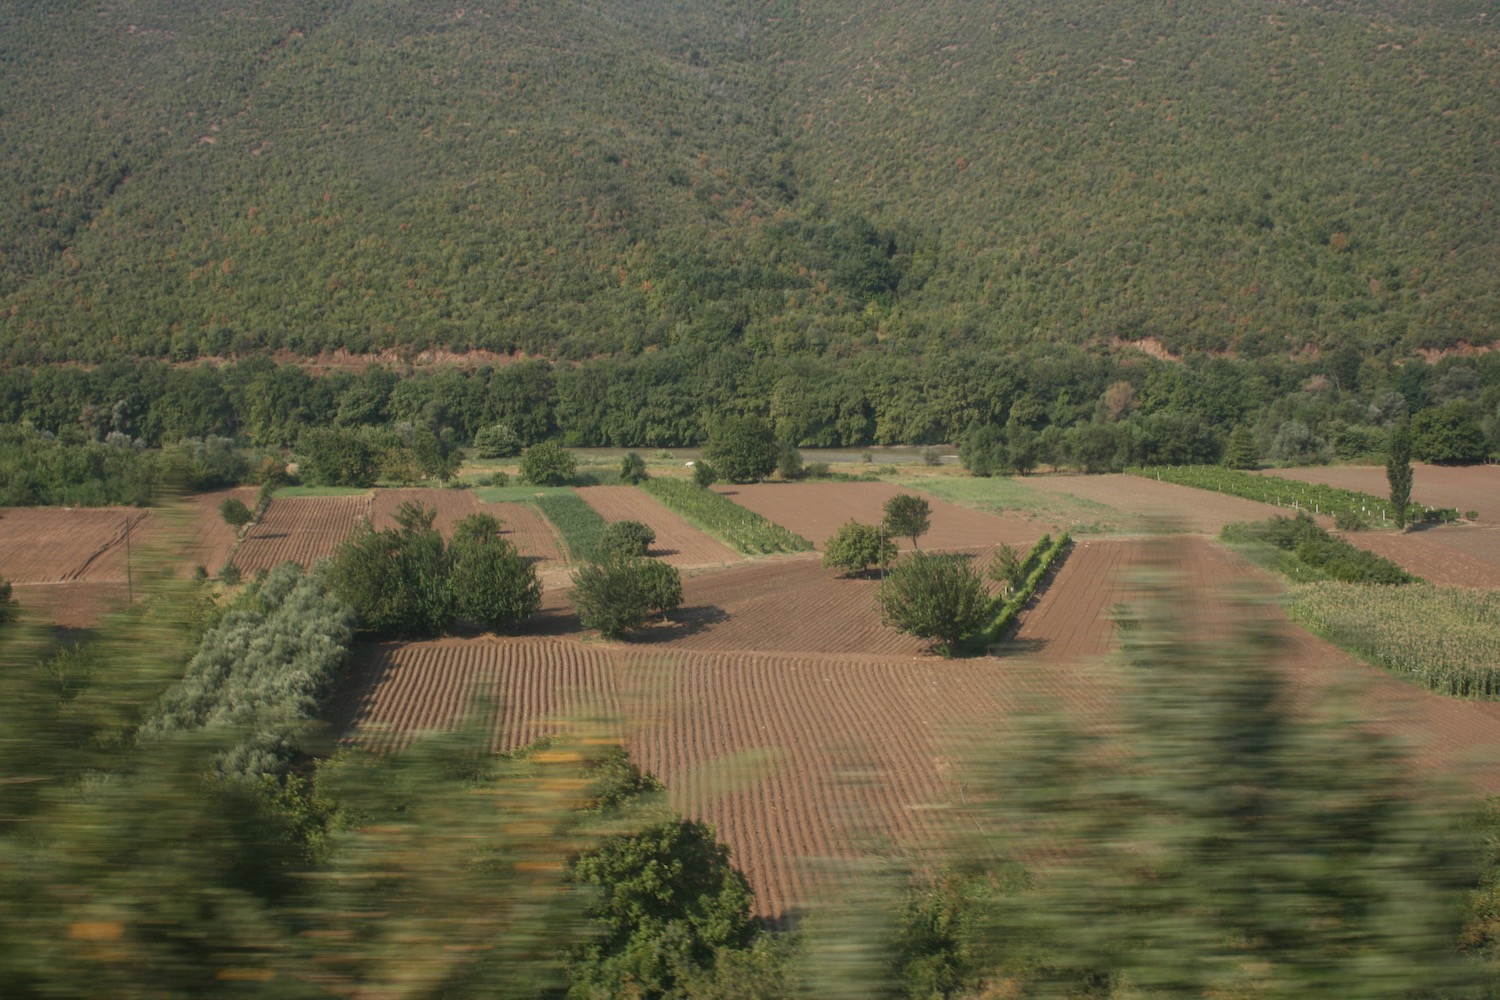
{"x": 579, "y": 524}
{"x": 1043, "y": 557}
{"x": 720, "y": 516}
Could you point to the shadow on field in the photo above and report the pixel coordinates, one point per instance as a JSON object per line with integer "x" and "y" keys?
{"x": 1019, "y": 647}
{"x": 684, "y": 622}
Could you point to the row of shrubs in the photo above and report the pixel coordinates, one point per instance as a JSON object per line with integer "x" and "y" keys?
{"x": 1315, "y": 554}
{"x": 1019, "y": 583}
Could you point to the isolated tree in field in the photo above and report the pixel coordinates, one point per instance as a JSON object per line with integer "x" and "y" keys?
{"x": 907, "y": 516}
{"x": 934, "y": 596}
{"x": 704, "y": 474}
{"x": 235, "y": 513}
{"x": 395, "y": 579}
{"x": 548, "y": 464}
{"x": 625, "y": 538}
{"x": 617, "y": 594}
{"x": 1398, "y": 471}
{"x": 489, "y": 582}
{"x": 1223, "y": 839}
{"x": 855, "y": 547}
{"x": 1007, "y": 568}
{"x": 742, "y": 449}
{"x": 632, "y": 469}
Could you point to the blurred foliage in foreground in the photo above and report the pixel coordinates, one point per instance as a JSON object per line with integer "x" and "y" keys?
{"x": 1212, "y": 836}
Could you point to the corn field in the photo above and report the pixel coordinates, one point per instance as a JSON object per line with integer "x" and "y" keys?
{"x": 1446, "y": 638}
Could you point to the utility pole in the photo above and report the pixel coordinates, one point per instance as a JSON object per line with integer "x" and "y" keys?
{"x": 129, "y": 582}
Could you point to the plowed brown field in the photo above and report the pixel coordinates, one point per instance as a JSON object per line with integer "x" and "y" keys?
{"x": 76, "y": 605}
{"x": 817, "y": 510}
{"x": 677, "y": 542}
{"x": 301, "y": 530}
{"x": 452, "y": 506}
{"x": 530, "y": 532}
{"x": 57, "y": 544}
{"x": 783, "y": 662}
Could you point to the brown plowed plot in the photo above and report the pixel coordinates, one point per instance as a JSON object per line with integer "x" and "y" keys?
{"x": 1186, "y": 508}
{"x": 531, "y": 533}
{"x": 677, "y": 542}
{"x": 56, "y": 544}
{"x": 1458, "y": 555}
{"x": 301, "y": 530}
{"x": 1464, "y": 488}
{"x": 786, "y": 605}
{"x": 1072, "y": 624}
{"x": 76, "y": 604}
{"x": 190, "y": 533}
{"x": 817, "y": 510}
{"x": 852, "y": 744}
{"x": 452, "y": 506}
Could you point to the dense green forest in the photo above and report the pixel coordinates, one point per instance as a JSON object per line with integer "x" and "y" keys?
{"x": 820, "y": 179}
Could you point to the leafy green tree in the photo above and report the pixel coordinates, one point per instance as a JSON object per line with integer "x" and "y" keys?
{"x": 396, "y": 579}
{"x": 615, "y": 595}
{"x": 1241, "y": 452}
{"x": 1007, "y": 567}
{"x": 788, "y": 462}
{"x": 489, "y": 582}
{"x": 625, "y": 538}
{"x": 632, "y": 469}
{"x": 934, "y": 596}
{"x": 1398, "y": 472}
{"x": 548, "y": 464}
{"x": 704, "y": 474}
{"x": 907, "y": 516}
{"x": 855, "y": 547}
{"x": 337, "y": 456}
{"x": 668, "y": 904}
{"x": 1448, "y": 435}
{"x": 742, "y": 449}
{"x": 982, "y": 450}
{"x": 1222, "y": 839}
{"x": 497, "y": 441}
{"x": 235, "y": 513}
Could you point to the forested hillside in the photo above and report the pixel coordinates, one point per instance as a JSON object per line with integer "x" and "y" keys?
{"x": 180, "y": 179}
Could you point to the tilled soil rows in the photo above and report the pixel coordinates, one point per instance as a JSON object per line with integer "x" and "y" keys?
{"x": 677, "y": 541}
{"x": 58, "y": 544}
{"x": 784, "y": 605}
{"x": 301, "y": 530}
{"x": 531, "y": 533}
{"x": 816, "y": 510}
{"x": 452, "y": 506}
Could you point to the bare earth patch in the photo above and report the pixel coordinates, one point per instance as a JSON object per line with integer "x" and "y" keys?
{"x": 817, "y": 510}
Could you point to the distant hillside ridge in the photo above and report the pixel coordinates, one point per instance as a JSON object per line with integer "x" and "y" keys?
{"x": 183, "y": 180}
